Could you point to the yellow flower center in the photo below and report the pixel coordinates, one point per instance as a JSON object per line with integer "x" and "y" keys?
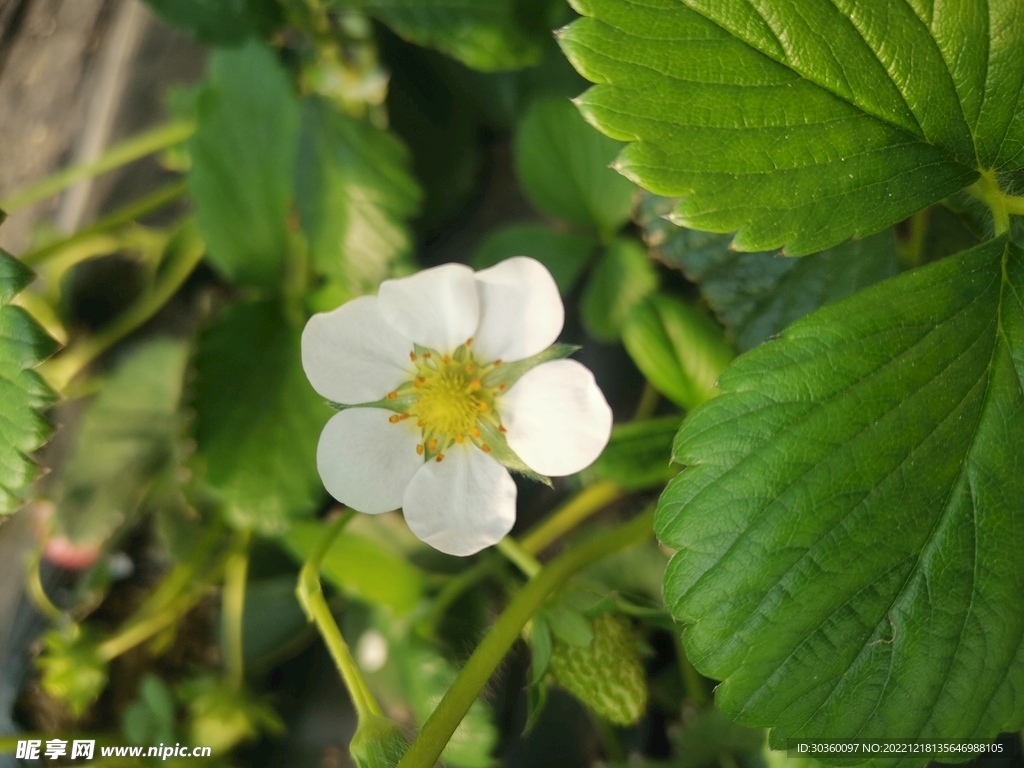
{"x": 449, "y": 400}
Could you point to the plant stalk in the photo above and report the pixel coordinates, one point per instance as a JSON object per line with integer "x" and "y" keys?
{"x": 136, "y": 147}
{"x": 568, "y": 516}
{"x": 236, "y": 570}
{"x": 311, "y": 598}
{"x": 438, "y": 729}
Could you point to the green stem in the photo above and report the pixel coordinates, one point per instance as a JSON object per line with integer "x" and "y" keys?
{"x": 119, "y": 218}
{"x": 236, "y": 569}
{"x": 136, "y": 147}
{"x": 186, "y": 251}
{"x": 987, "y": 190}
{"x": 519, "y": 557}
{"x": 311, "y": 598}
{"x": 565, "y": 518}
{"x": 1014, "y": 204}
{"x": 648, "y": 404}
{"x": 34, "y": 587}
{"x": 911, "y": 250}
{"x": 438, "y": 729}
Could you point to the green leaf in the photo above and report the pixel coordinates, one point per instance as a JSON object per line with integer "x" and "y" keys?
{"x": 540, "y": 649}
{"x": 678, "y": 348}
{"x": 257, "y": 418}
{"x": 563, "y": 166}
{"x": 274, "y": 627}
{"x": 568, "y": 625}
{"x": 756, "y": 295}
{"x": 621, "y": 280}
{"x": 638, "y": 455}
{"x": 220, "y": 22}
{"x": 23, "y": 346}
{"x": 843, "y": 521}
{"x": 707, "y": 735}
{"x": 803, "y": 123}
{"x": 354, "y": 194}
{"x": 482, "y": 34}
{"x": 150, "y": 718}
{"x": 564, "y": 254}
{"x": 243, "y": 158}
{"x": 355, "y": 564}
{"x": 127, "y": 448}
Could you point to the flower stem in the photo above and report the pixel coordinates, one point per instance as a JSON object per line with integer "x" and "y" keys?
{"x": 36, "y": 593}
{"x": 519, "y": 557}
{"x": 1014, "y": 204}
{"x": 119, "y": 218}
{"x": 236, "y": 569}
{"x": 568, "y": 516}
{"x": 438, "y": 729}
{"x": 311, "y": 598}
{"x": 136, "y": 147}
{"x": 186, "y": 251}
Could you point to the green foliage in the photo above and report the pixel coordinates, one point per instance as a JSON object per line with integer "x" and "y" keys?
{"x": 72, "y": 668}
{"x": 354, "y": 563}
{"x": 679, "y": 349}
{"x": 756, "y": 295}
{"x": 622, "y": 278}
{"x": 127, "y": 450}
{"x": 150, "y": 719}
{"x": 243, "y": 158}
{"x": 562, "y": 165}
{"x": 483, "y": 34}
{"x": 637, "y": 454}
{"x": 707, "y": 737}
{"x": 797, "y": 138}
{"x": 354, "y": 194}
{"x": 257, "y": 418}
{"x": 23, "y": 346}
{"x": 565, "y": 254}
{"x": 220, "y": 717}
{"x": 852, "y": 493}
{"x": 220, "y": 22}
{"x": 605, "y": 674}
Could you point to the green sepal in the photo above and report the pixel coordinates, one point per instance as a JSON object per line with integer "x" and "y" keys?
{"x": 504, "y": 455}
{"x": 222, "y": 717}
{"x": 377, "y": 743}
{"x": 73, "y": 670}
{"x": 509, "y": 373}
{"x": 540, "y": 649}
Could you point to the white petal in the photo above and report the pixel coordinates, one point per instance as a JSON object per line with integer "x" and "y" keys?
{"x": 351, "y": 355}
{"x": 521, "y": 312}
{"x": 365, "y": 461}
{"x": 462, "y": 504}
{"x": 436, "y": 308}
{"x": 557, "y": 419}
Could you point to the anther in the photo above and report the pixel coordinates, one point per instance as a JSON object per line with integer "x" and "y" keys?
{"x": 394, "y": 419}
{"x": 502, "y": 429}
{"x": 440, "y": 458}
{"x": 392, "y": 395}
{"x": 469, "y": 342}
{"x": 482, "y": 406}
{"x": 485, "y": 448}
{"x": 405, "y": 416}
{"x": 496, "y": 363}
{"x": 419, "y": 449}
{"x": 470, "y": 367}
{"x": 474, "y": 385}
{"x": 446, "y": 359}
{"x": 460, "y": 439}
{"x": 412, "y": 356}
{"x": 426, "y": 355}
{"x": 475, "y": 432}
{"x": 502, "y": 386}
{"x": 421, "y": 423}
{"x": 432, "y": 444}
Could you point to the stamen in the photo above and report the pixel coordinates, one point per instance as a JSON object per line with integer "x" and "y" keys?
{"x": 392, "y": 395}
{"x": 470, "y": 367}
{"x": 419, "y": 449}
{"x": 412, "y": 356}
{"x": 421, "y": 423}
{"x": 485, "y": 448}
{"x": 404, "y": 416}
{"x": 474, "y": 385}
{"x": 394, "y": 419}
{"x": 475, "y": 432}
{"x": 446, "y": 359}
{"x": 482, "y": 406}
{"x": 496, "y": 363}
{"x": 460, "y": 439}
{"x": 469, "y": 342}
{"x": 502, "y": 386}
{"x": 440, "y": 458}
{"x": 432, "y": 444}
{"x": 502, "y": 429}
{"x": 426, "y": 355}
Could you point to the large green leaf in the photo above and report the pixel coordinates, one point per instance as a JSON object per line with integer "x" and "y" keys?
{"x": 846, "y": 518}
{"x": 127, "y": 445}
{"x": 354, "y": 193}
{"x": 756, "y": 295}
{"x": 243, "y": 157}
{"x": 219, "y": 22}
{"x": 483, "y": 34}
{"x": 23, "y": 345}
{"x": 257, "y": 418}
{"x": 563, "y": 166}
{"x": 803, "y": 123}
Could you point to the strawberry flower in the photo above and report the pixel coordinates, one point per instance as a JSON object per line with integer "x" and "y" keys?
{"x": 446, "y": 380}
